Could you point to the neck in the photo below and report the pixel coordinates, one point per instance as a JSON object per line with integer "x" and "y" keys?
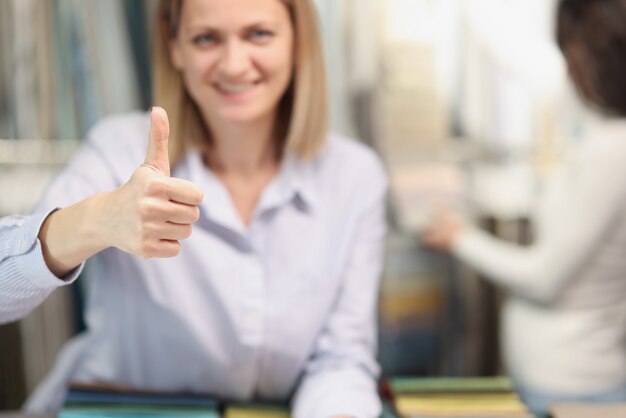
{"x": 243, "y": 150}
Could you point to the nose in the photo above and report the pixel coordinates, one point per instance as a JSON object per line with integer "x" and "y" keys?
{"x": 234, "y": 59}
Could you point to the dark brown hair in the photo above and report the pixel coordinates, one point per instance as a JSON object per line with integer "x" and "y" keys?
{"x": 592, "y": 36}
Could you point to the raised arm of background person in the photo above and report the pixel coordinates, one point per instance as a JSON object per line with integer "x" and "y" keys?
{"x": 341, "y": 374}
{"x": 147, "y": 216}
{"x": 581, "y": 204}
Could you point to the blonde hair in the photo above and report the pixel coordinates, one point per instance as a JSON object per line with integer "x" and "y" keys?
{"x": 302, "y": 122}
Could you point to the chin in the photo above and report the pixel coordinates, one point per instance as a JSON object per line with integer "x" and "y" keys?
{"x": 241, "y": 117}
{"x": 236, "y": 119}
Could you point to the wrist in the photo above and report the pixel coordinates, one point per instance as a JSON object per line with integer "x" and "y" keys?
{"x": 95, "y": 225}
{"x": 457, "y": 236}
{"x": 71, "y": 235}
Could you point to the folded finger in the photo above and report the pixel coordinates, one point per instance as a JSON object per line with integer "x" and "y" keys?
{"x": 183, "y": 191}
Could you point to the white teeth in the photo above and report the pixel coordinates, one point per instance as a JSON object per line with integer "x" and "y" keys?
{"x": 234, "y": 88}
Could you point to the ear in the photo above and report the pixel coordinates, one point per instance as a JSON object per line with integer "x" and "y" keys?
{"x": 176, "y": 54}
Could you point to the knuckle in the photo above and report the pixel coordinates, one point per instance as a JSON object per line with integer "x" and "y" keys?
{"x": 152, "y": 210}
{"x": 146, "y": 250}
{"x": 144, "y": 234}
{"x": 146, "y": 209}
{"x": 155, "y": 187}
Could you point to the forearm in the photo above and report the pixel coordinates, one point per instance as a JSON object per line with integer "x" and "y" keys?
{"x": 519, "y": 268}
{"x": 71, "y": 235}
{"x": 537, "y": 272}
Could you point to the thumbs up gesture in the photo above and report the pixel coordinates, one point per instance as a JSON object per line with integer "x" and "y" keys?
{"x": 150, "y": 214}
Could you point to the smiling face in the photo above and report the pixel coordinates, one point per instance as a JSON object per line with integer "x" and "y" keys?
{"x": 235, "y": 56}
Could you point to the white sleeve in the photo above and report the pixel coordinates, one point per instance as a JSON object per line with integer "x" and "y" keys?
{"x": 580, "y": 207}
{"x": 25, "y": 280}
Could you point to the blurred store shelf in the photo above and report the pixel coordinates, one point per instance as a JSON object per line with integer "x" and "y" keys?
{"x": 26, "y": 167}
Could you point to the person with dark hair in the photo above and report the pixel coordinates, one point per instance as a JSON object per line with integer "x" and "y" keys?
{"x": 564, "y": 320}
{"x": 273, "y": 296}
{"x": 592, "y": 37}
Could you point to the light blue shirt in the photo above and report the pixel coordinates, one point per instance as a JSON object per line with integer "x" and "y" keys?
{"x": 284, "y": 306}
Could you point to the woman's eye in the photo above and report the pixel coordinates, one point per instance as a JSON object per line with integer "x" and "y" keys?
{"x": 260, "y": 34}
{"x": 204, "y": 39}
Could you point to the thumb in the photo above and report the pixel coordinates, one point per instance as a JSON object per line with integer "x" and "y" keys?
{"x": 157, "y": 156}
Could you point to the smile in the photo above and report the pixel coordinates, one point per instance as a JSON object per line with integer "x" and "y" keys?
{"x": 234, "y": 88}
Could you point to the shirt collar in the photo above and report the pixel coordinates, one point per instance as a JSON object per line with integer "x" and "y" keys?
{"x": 294, "y": 184}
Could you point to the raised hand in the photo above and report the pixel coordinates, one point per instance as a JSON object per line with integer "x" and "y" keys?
{"x": 443, "y": 231}
{"x": 150, "y": 214}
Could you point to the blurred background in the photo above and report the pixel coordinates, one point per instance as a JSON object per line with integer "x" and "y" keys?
{"x": 466, "y": 101}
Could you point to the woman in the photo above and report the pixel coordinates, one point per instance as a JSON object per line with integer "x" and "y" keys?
{"x": 564, "y": 323}
{"x": 274, "y": 292}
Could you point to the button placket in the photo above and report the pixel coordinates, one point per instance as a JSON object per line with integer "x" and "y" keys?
{"x": 254, "y": 289}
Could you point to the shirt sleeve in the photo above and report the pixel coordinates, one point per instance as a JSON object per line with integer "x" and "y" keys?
{"x": 341, "y": 376}
{"x": 581, "y": 205}
{"x": 25, "y": 280}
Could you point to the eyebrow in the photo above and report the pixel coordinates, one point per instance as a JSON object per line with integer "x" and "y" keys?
{"x": 255, "y": 24}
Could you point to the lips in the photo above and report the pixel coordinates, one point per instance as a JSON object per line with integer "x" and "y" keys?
{"x": 235, "y": 88}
